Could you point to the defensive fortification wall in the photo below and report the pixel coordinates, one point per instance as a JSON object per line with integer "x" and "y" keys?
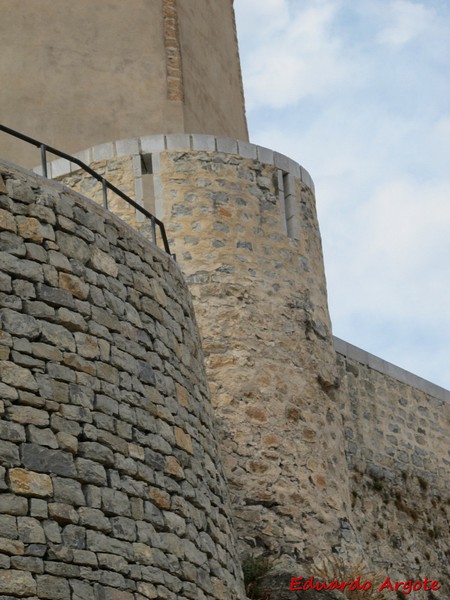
{"x": 242, "y": 222}
{"x": 111, "y": 486}
{"x": 324, "y": 454}
{"x": 397, "y": 429}
{"x": 247, "y": 237}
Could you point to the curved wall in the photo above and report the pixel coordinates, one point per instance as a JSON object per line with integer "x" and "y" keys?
{"x": 246, "y": 235}
{"x": 323, "y": 456}
{"x": 242, "y": 222}
{"x": 111, "y": 485}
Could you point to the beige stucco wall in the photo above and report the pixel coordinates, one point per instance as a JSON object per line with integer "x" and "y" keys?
{"x": 83, "y": 73}
{"x": 210, "y": 54}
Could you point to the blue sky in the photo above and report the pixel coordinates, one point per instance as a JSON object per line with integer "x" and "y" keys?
{"x": 358, "y": 92}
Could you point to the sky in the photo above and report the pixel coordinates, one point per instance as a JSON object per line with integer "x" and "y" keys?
{"x": 358, "y": 92}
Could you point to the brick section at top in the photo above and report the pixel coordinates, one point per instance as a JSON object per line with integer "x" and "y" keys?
{"x": 174, "y": 71}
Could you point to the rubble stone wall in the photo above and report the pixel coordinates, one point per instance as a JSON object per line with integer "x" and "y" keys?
{"x": 111, "y": 487}
{"x": 120, "y": 173}
{"x": 242, "y": 221}
{"x": 397, "y": 429}
{"x": 260, "y": 300}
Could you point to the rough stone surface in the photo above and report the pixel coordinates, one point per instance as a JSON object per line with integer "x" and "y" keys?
{"x": 101, "y": 467}
{"x": 284, "y": 456}
{"x": 397, "y": 446}
{"x": 17, "y": 583}
{"x": 120, "y": 173}
{"x": 103, "y": 396}
{"x": 27, "y": 483}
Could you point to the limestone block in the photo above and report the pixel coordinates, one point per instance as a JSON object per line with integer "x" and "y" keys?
{"x": 152, "y": 143}
{"x": 53, "y": 588}
{"x": 28, "y": 415}
{"x": 7, "y": 221}
{"x": 23, "y": 268}
{"x": 73, "y": 284}
{"x": 45, "y": 460}
{"x": 16, "y": 376}
{"x": 103, "y": 262}
{"x": 30, "y": 531}
{"x": 32, "y": 229}
{"x": 127, "y": 147}
{"x": 183, "y": 440}
{"x": 17, "y": 583}
{"x": 13, "y": 505}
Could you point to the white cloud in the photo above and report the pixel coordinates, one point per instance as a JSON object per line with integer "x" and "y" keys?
{"x": 403, "y": 230}
{"x": 296, "y": 56}
{"x": 389, "y": 276}
{"x": 358, "y": 93}
{"x": 405, "y": 22}
{"x": 440, "y": 138}
{"x": 257, "y": 19}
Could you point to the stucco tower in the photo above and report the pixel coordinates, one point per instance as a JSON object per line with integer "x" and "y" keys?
{"x": 77, "y": 74}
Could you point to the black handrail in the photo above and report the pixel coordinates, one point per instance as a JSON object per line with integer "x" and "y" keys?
{"x": 106, "y": 185}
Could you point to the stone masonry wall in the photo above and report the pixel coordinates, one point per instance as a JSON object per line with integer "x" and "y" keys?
{"x": 119, "y": 172}
{"x": 323, "y": 455}
{"x": 260, "y": 301}
{"x": 111, "y": 488}
{"x": 397, "y": 446}
{"x": 243, "y": 224}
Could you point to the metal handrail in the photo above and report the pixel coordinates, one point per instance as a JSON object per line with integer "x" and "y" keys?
{"x": 106, "y": 185}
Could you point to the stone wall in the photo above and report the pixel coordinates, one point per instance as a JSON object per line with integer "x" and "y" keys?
{"x": 242, "y": 222}
{"x": 127, "y": 163}
{"x": 260, "y": 300}
{"x": 397, "y": 430}
{"x": 111, "y": 487}
{"x": 119, "y": 172}
{"x": 325, "y": 456}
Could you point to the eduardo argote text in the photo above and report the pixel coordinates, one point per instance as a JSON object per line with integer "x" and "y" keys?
{"x": 299, "y": 584}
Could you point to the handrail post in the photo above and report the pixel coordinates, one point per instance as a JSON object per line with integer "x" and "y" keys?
{"x": 152, "y": 220}
{"x": 105, "y": 193}
{"x": 44, "y": 160}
